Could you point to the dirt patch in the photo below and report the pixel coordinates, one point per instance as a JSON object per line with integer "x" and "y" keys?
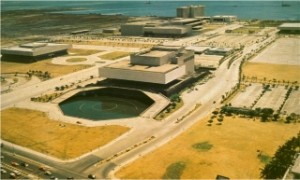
{"x": 33, "y": 129}
{"x": 269, "y": 72}
{"x": 237, "y": 147}
{"x": 44, "y": 65}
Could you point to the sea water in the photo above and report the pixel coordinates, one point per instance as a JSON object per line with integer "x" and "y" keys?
{"x": 266, "y": 10}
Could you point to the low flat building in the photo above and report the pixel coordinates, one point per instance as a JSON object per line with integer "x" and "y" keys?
{"x": 34, "y": 51}
{"x": 160, "y": 65}
{"x": 219, "y": 51}
{"x": 110, "y": 30}
{"x": 166, "y": 31}
{"x": 289, "y": 27}
{"x": 155, "y": 29}
{"x": 224, "y": 18}
{"x": 197, "y": 49}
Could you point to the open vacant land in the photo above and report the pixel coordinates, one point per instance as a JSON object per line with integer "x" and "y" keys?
{"x": 44, "y": 65}
{"x": 33, "y": 129}
{"x": 248, "y": 96}
{"x": 292, "y": 105}
{"x": 283, "y": 51}
{"x": 234, "y": 149}
{"x": 279, "y": 72}
{"x": 272, "y": 98}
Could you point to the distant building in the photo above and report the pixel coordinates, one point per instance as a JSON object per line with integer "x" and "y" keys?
{"x": 190, "y": 11}
{"x": 195, "y": 23}
{"x": 160, "y": 65}
{"x": 34, "y": 51}
{"x": 219, "y": 51}
{"x": 289, "y": 28}
{"x": 83, "y": 31}
{"x": 223, "y": 18}
{"x": 111, "y": 30}
{"x": 155, "y": 29}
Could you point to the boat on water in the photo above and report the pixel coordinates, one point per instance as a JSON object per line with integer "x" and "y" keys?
{"x": 285, "y": 4}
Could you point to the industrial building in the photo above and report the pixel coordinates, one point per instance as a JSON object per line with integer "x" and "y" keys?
{"x": 34, "y": 51}
{"x": 223, "y": 18}
{"x": 159, "y": 65}
{"x": 289, "y": 28}
{"x": 152, "y": 29}
{"x": 190, "y": 11}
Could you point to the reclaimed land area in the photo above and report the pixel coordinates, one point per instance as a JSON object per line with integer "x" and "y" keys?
{"x": 236, "y": 149}
{"x": 34, "y": 130}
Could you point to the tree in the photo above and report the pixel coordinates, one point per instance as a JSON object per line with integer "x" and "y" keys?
{"x": 282, "y": 159}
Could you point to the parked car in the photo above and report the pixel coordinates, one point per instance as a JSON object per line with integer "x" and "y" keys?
{"x": 24, "y": 164}
{"x": 48, "y": 173}
{"x": 92, "y": 176}
{"x": 14, "y": 163}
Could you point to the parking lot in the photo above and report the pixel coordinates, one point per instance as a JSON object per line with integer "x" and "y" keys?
{"x": 14, "y": 168}
{"x": 246, "y": 97}
{"x": 232, "y": 41}
{"x": 272, "y": 98}
{"x": 292, "y": 105}
{"x": 282, "y": 51}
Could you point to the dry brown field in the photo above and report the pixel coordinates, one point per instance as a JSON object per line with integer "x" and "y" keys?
{"x": 44, "y": 65}
{"x": 234, "y": 151}
{"x": 33, "y": 129}
{"x": 272, "y": 71}
{"x": 115, "y": 55}
{"x": 83, "y": 52}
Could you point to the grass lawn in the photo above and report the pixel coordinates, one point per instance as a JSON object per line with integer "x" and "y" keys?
{"x": 32, "y": 129}
{"x": 114, "y": 55}
{"x": 237, "y": 149}
{"x": 44, "y": 65}
{"x": 272, "y": 71}
{"x": 83, "y": 52}
{"x": 76, "y": 60}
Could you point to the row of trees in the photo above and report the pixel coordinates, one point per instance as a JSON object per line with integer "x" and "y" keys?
{"x": 43, "y": 75}
{"x": 264, "y": 113}
{"x": 282, "y": 159}
{"x": 269, "y": 81}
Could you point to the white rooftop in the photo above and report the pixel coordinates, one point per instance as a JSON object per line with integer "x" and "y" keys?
{"x": 289, "y": 25}
{"x": 127, "y": 65}
{"x": 34, "y": 49}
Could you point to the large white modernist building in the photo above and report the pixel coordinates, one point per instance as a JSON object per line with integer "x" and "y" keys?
{"x": 160, "y": 65}
{"x": 35, "y": 50}
{"x": 154, "y": 29}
